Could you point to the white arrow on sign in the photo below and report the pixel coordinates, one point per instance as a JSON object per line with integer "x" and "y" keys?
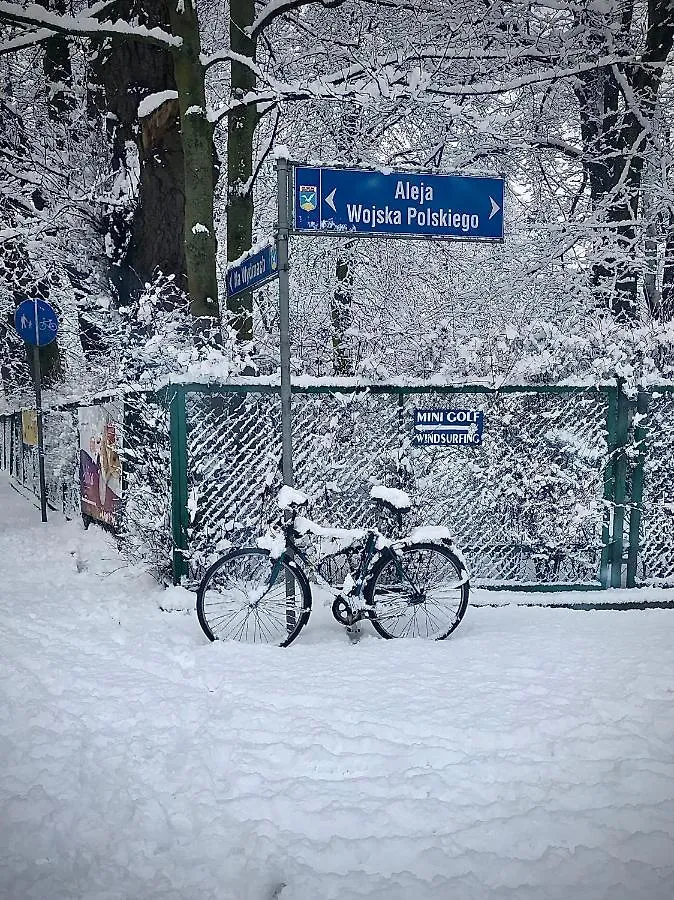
{"x": 494, "y": 208}
{"x": 330, "y": 200}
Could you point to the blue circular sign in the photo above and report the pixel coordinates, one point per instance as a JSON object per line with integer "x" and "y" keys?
{"x": 36, "y": 322}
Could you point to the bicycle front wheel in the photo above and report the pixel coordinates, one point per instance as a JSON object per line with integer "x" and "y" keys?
{"x": 250, "y": 596}
{"x": 419, "y": 591}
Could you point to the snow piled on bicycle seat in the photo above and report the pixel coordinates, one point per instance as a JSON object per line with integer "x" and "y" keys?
{"x": 530, "y": 757}
{"x": 288, "y": 497}
{"x": 393, "y": 496}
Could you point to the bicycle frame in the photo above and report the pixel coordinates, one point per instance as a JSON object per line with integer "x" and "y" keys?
{"x": 348, "y": 607}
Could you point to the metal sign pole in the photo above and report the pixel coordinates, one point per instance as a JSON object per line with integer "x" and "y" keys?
{"x": 284, "y": 319}
{"x": 40, "y": 433}
{"x": 282, "y": 237}
{"x": 36, "y": 323}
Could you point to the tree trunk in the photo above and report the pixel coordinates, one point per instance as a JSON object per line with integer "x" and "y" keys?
{"x": 57, "y": 68}
{"x": 341, "y": 304}
{"x": 240, "y": 135}
{"x": 615, "y": 131}
{"x": 197, "y": 134}
{"x": 153, "y": 237}
{"x": 605, "y": 132}
{"x": 340, "y": 314}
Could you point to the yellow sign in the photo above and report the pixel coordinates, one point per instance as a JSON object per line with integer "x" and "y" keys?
{"x": 29, "y": 426}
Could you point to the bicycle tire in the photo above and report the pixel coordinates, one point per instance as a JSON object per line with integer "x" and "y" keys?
{"x": 402, "y": 606}
{"x": 225, "y": 607}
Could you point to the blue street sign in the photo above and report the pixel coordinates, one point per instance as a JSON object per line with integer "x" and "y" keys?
{"x": 36, "y": 322}
{"x": 252, "y": 271}
{"x": 447, "y": 427}
{"x": 451, "y": 207}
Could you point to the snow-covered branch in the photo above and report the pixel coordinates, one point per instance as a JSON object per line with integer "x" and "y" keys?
{"x": 225, "y": 55}
{"x": 88, "y": 25}
{"x": 27, "y": 39}
{"x": 357, "y": 83}
{"x": 276, "y": 8}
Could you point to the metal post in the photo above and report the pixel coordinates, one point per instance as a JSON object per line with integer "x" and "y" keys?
{"x": 609, "y": 487}
{"x": 620, "y": 486}
{"x": 282, "y": 235}
{"x": 636, "y": 499}
{"x": 40, "y": 433}
{"x": 179, "y": 514}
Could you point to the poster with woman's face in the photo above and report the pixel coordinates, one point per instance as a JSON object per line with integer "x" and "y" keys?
{"x": 100, "y": 465}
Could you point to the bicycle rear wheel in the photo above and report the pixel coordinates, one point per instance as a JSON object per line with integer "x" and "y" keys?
{"x": 419, "y": 591}
{"x": 250, "y": 596}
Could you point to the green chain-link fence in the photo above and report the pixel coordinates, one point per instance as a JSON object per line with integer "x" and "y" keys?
{"x": 20, "y": 459}
{"x": 531, "y": 506}
{"x": 569, "y": 488}
{"x": 651, "y": 540}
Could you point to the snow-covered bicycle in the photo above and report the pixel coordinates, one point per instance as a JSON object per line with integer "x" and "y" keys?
{"x": 416, "y": 586}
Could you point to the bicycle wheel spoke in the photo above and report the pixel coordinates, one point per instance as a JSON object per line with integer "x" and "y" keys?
{"x": 237, "y": 634}
{"x": 410, "y": 623}
{"x": 419, "y": 593}
{"x": 273, "y": 618}
{"x": 246, "y": 598}
{"x": 431, "y": 618}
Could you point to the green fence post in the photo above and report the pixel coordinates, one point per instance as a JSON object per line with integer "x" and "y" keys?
{"x": 179, "y": 513}
{"x": 620, "y": 486}
{"x": 637, "y": 495}
{"x": 609, "y": 488}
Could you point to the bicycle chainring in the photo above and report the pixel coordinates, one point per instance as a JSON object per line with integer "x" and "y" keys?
{"x": 342, "y": 611}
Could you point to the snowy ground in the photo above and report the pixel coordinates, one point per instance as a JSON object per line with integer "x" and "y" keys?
{"x": 530, "y": 757}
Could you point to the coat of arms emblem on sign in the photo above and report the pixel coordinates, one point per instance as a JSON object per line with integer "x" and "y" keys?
{"x": 308, "y": 197}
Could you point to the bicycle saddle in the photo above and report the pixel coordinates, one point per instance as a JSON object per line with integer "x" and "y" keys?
{"x": 392, "y": 499}
{"x": 289, "y": 498}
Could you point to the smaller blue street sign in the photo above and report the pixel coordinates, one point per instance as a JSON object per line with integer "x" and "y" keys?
{"x": 36, "y": 322}
{"x": 252, "y": 271}
{"x": 448, "y": 427}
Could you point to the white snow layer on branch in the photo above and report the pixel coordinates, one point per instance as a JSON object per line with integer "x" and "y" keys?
{"x": 355, "y": 82}
{"x": 153, "y": 101}
{"x": 34, "y": 16}
{"x": 273, "y": 9}
{"x": 28, "y": 39}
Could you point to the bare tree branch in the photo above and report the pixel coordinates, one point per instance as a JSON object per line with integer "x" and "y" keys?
{"x": 35, "y": 16}
{"x": 276, "y": 8}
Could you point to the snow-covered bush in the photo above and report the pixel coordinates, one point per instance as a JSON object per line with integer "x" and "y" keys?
{"x": 145, "y": 525}
{"x": 161, "y": 340}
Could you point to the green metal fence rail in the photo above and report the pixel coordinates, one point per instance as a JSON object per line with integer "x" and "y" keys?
{"x": 571, "y": 488}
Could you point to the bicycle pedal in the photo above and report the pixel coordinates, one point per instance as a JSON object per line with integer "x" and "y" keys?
{"x": 353, "y": 632}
